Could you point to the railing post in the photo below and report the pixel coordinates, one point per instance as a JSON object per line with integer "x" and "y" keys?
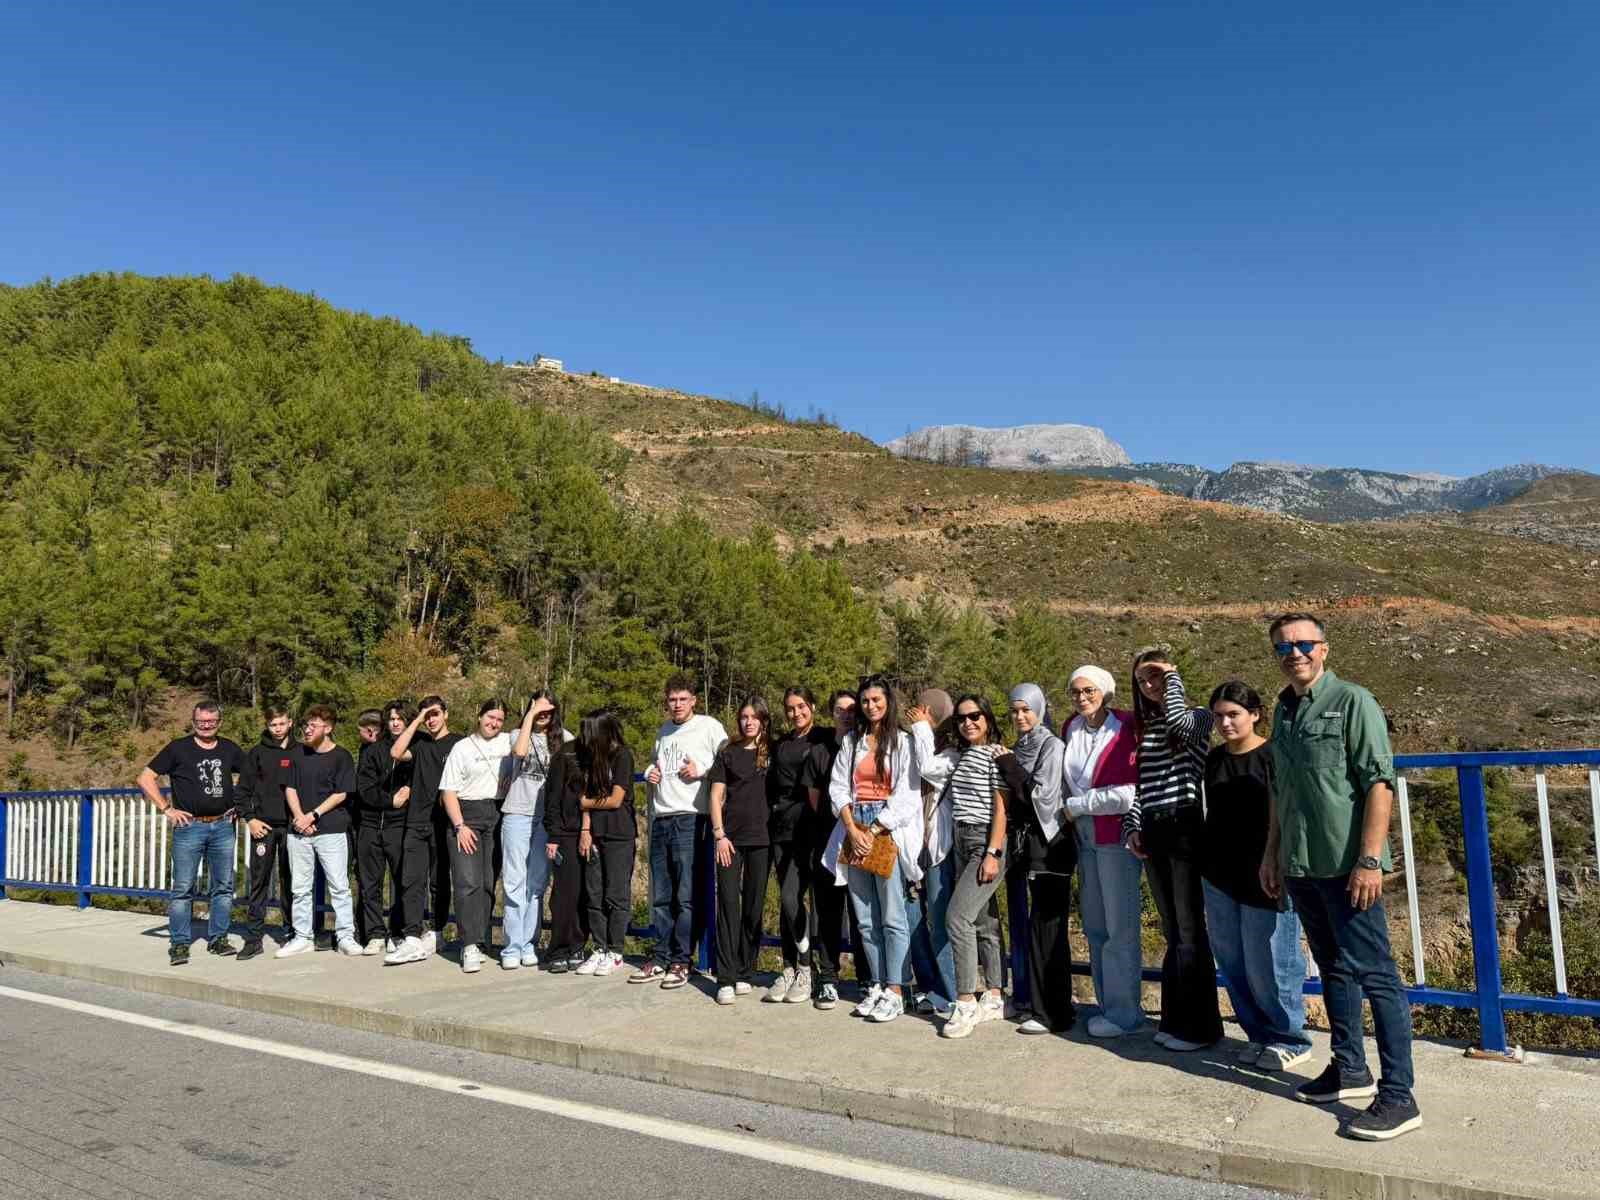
{"x": 1019, "y": 919}
{"x": 5, "y": 820}
{"x": 85, "y": 848}
{"x": 1485, "y": 924}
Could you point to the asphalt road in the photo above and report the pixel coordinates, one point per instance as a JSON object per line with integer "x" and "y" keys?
{"x": 92, "y": 1106}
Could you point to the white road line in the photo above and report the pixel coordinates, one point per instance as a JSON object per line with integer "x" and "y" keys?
{"x": 855, "y": 1170}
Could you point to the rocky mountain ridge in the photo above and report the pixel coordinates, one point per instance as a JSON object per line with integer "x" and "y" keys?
{"x": 1017, "y": 447}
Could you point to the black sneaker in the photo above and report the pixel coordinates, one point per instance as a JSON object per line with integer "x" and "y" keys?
{"x": 1385, "y": 1119}
{"x": 559, "y": 965}
{"x": 251, "y": 948}
{"x": 221, "y": 947}
{"x": 1334, "y": 1085}
{"x": 178, "y": 956}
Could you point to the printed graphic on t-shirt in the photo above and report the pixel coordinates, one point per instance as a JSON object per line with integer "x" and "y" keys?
{"x": 672, "y": 759}
{"x": 210, "y": 772}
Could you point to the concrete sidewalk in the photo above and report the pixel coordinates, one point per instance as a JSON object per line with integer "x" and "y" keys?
{"x": 1492, "y": 1130}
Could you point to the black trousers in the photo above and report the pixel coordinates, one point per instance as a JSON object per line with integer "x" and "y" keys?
{"x": 608, "y": 891}
{"x": 416, "y": 877}
{"x": 265, "y": 853}
{"x": 1189, "y": 1008}
{"x": 830, "y": 910}
{"x": 444, "y": 837}
{"x": 567, "y": 914}
{"x": 474, "y": 874}
{"x": 1049, "y": 868}
{"x": 741, "y": 898}
{"x": 791, "y": 863}
{"x": 380, "y": 847}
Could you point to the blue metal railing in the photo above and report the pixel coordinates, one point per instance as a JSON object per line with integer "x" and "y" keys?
{"x": 1488, "y": 996}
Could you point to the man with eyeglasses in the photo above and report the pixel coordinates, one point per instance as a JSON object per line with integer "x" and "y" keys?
{"x": 201, "y": 812}
{"x": 1328, "y": 845}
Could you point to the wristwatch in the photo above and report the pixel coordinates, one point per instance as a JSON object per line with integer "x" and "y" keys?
{"x": 996, "y": 852}
{"x": 1368, "y": 862}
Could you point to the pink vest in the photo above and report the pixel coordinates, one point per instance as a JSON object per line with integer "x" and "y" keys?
{"x": 1117, "y": 765}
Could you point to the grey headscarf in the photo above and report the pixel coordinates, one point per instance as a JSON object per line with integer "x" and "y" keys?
{"x": 1039, "y": 753}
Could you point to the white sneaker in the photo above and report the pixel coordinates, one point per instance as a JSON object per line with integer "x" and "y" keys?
{"x": 1282, "y": 1058}
{"x": 610, "y": 960}
{"x": 389, "y": 945}
{"x": 1248, "y": 1054}
{"x": 349, "y": 946}
{"x": 430, "y": 943}
{"x": 963, "y": 1019}
{"x": 1183, "y": 1047}
{"x": 295, "y": 945}
{"x": 868, "y": 1002}
{"x": 779, "y": 991}
{"x": 1104, "y": 1027}
{"x": 591, "y": 964}
{"x": 725, "y": 995}
{"x": 471, "y": 959}
{"x": 530, "y": 958}
{"x": 510, "y": 962}
{"x": 409, "y": 950}
{"x": 992, "y": 1007}
{"x": 742, "y": 988}
{"x": 373, "y": 948}
{"x": 800, "y": 991}
{"x": 889, "y": 1006}
{"x": 1033, "y": 1026}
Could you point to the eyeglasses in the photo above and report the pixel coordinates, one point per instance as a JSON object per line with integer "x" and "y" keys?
{"x": 1285, "y": 649}
{"x": 1079, "y": 693}
{"x": 969, "y": 718}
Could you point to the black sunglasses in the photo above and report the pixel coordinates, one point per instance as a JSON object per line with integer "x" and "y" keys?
{"x": 1285, "y": 649}
{"x": 966, "y": 717}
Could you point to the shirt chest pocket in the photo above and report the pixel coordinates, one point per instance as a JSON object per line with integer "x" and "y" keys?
{"x": 1322, "y": 744}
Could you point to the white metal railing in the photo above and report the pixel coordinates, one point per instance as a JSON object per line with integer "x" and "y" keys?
{"x": 1551, "y": 896}
{"x": 42, "y": 839}
{"x": 1419, "y": 972}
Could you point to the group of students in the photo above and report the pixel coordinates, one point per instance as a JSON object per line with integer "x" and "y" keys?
{"x": 916, "y": 818}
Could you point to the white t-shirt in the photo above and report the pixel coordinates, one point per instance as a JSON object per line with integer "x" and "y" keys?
{"x": 698, "y": 739}
{"x": 475, "y": 767}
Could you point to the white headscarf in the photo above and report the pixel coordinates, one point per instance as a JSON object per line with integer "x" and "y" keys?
{"x": 1098, "y": 676}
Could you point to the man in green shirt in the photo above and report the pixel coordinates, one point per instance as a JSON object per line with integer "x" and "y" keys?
{"x": 1328, "y": 845}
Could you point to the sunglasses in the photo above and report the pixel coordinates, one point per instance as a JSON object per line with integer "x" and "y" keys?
{"x": 1285, "y": 649}
{"x": 969, "y": 718}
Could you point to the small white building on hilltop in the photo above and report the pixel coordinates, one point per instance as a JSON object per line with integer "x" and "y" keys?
{"x": 541, "y": 363}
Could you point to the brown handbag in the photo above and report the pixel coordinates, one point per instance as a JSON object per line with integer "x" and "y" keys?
{"x": 879, "y": 860}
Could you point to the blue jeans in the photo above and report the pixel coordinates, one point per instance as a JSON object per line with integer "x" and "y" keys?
{"x": 932, "y": 961}
{"x": 216, "y": 843}
{"x": 1352, "y": 952}
{"x": 524, "y": 870}
{"x": 673, "y": 840}
{"x": 880, "y": 908}
{"x": 1108, "y": 899}
{"x": 332, "y": 851}
{"x": 1258, "y": 953}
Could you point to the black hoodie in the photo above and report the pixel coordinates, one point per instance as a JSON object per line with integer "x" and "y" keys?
{"x": 261, "y": 783}
{"x": 378, "y": 778}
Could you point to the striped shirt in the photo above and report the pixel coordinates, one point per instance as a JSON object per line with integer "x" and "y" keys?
{"x": 972, "y": 787}
{"x": 1170, "y": 780}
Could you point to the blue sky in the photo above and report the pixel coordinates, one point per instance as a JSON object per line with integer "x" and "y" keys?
{"x": 1353, "y": 234}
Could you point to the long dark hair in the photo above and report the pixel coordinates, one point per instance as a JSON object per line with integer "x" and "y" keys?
{"x": 886, "y": 731}
{"x": 552, "y": 734}
{"x": 1237, "y": 691}
{"x": 1148, "y": 712}
{"x": 763, "y": 739}
{"x": 991, "y": 732}
{"x": 599, "y": 738}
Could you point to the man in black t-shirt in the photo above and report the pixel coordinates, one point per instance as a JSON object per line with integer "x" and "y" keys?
{"x": 321, "y": 777}
{"x": 201, "y": 769}
{"x": 796, "y": 780}
{"x": 425, "y": 743}
{"x": 266, "y": 814}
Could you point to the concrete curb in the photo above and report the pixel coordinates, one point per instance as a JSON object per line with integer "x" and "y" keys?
{"x": 1087, "y": 1138}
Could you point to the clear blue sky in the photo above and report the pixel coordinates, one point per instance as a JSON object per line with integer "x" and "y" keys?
{"x": 1356, "y": 234}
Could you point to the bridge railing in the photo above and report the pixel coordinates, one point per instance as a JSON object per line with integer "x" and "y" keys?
{"x": 109, "y": 841}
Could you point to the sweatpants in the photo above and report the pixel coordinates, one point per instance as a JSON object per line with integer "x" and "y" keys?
{"x": 741, "y": 898}
{"x": 474, "y": 873}
{"x": 608, "y": 891}
{"x": 269, "y": 859}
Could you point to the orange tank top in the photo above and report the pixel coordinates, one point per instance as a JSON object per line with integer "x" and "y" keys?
{"x": 869, "y": 787}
